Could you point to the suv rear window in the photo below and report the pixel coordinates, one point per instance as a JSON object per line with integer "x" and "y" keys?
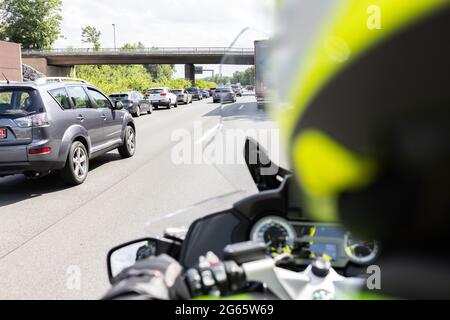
{"x": 19, "y": 102}
{"x": 155, "y": 91}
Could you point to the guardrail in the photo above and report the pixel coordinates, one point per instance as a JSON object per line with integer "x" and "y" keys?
{"x": 154, "y": 51}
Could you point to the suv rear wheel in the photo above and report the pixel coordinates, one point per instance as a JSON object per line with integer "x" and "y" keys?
{"x": 128, "y": 148}
{"x": 77, "y": 165}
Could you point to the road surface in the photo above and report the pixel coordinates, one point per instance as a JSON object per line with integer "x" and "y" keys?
{"x": 54, "y": 239}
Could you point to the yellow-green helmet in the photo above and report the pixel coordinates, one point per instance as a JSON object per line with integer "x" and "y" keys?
{"x": 363, "y": 101}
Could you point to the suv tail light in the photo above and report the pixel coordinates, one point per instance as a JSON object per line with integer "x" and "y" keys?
{"x": 163, "y": 94}
{"x": 45, "y": 150}
{"x": 35, "y": 120}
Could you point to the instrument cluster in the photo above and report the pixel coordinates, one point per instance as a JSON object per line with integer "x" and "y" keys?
{"x": 307, "y": 241}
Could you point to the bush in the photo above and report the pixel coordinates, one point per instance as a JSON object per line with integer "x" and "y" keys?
{"x": 205, "y": 84}
{"x": 117, "y": 78}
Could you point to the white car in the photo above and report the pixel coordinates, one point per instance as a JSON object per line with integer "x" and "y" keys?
{"x": 162, "y": 97}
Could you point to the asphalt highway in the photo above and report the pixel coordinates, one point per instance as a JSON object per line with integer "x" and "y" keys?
{"x": 54, "y": 239}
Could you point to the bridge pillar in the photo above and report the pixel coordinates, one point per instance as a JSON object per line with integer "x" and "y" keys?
{"x": 189, "y": 73}
{"x": 41, "y": 65}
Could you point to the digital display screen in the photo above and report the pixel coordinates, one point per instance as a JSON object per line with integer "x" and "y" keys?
{"x": 310, "y": 251}
{"x": 319, "y": 231}
{"x": 324, "y": 249}
{"x": 318, "y": 241}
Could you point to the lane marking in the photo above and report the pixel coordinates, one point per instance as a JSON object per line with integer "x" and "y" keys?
{"x": 241, "y": 107}
{"x": 209, "y": 134}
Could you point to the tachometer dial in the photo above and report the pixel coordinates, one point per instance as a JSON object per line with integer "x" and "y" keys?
{"x": 360, "y": 252}
{"x": 276, "y": 232}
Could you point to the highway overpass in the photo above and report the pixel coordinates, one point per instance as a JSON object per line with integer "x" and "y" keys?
{"x": 59, "y": 62}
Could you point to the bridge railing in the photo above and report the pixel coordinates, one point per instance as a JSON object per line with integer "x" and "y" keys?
{"x": 153, "y": 50}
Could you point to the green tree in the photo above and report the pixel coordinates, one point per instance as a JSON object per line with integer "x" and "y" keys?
{"x": 33, "y": 23}
{"x": 113, "y": 78}
{"x": 218, "y": 79}
{"x": 160, "y": 72}
{"x": 130, "y": 46}
{"x": 91, "y": 35}
{"x": 245, "y": 78}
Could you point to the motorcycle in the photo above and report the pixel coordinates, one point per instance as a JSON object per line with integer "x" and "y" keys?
{"x": 264, "y": 245}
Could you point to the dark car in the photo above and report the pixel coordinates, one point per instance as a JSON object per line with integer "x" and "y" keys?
{"x": 59, "y": 124}
{"x": 205, "y": 94}
{"x": 196, "y": 93}
{"x": 134, "y": 102}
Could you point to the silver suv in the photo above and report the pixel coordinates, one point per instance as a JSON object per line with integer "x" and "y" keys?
{"x": 59, "y": 124}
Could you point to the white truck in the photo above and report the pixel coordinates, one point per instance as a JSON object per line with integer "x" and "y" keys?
{"x": 261, "y": 48}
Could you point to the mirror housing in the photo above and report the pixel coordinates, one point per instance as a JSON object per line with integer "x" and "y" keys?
{"x": 117, "y": 105}
{"x": 127, "y": 254}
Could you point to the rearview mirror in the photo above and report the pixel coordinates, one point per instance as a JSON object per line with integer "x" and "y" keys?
{"x": 126, "y": 255}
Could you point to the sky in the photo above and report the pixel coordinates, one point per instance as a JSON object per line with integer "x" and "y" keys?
{"x": 169, "y": 23}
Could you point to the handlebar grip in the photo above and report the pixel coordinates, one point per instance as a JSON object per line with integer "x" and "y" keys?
{"x": 218, "y": 280}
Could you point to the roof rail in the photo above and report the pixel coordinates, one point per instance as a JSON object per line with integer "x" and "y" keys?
{"x": 9, "y": 82}
{"x": 45, "y": 80}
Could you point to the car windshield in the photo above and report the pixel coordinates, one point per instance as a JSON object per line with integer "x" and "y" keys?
{"x": 177, "y": 91}
{"x": 18, "y": 102}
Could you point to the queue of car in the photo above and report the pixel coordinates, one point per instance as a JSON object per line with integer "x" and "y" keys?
{"x": 59, "y": 124}
{"x": 137, "y": 104}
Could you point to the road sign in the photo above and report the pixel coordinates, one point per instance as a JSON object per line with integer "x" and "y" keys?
{"x": 198, "y": 70}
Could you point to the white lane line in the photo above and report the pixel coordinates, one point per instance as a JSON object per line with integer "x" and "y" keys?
{"x": 241, "y": 107}
{"x": 210, "y": 133}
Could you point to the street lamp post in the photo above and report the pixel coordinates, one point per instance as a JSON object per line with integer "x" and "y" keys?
{"x": 114, "y": 27}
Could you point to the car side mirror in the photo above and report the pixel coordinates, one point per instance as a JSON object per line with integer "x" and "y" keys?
{"x": 118, "y": 105}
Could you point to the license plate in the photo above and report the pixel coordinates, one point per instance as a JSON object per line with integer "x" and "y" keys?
{"x": 3, "y": 133}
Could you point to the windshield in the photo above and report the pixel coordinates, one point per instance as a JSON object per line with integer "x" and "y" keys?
{"x": 177, "y": 91}
{"x": 18, "y": 102}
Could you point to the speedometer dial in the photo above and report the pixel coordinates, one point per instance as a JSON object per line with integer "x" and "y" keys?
{"x": 275, "y": 232}
{"x": 361, "y": 252}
